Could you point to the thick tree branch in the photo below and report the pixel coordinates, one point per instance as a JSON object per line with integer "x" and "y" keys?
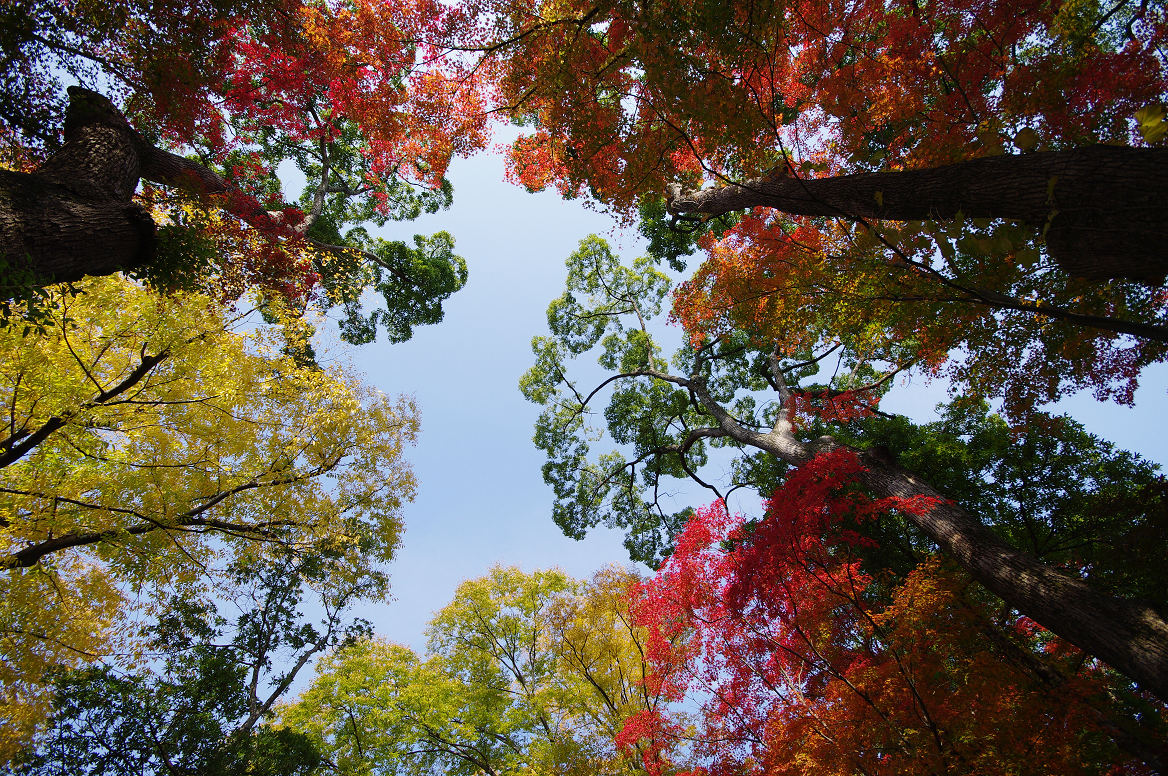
{"x": 18, "y": 445}
{"x": 192, "y": 518}
{"x": 1097, "y": 205}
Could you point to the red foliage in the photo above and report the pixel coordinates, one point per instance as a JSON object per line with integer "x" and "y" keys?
{"x": 629, "y": 97}
{"x": 349, "y": 90}
{"x": 802, "y": 665}
{"x": 833, "y": 406}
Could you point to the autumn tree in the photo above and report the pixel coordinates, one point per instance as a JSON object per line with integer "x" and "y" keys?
{"x": 662, "y": 422}
{"x": 804, "y": 662}
{"x": 524, "y": 672}
{"x": 202, "y": 700}
{"x": 889, "y": 166}
{"x": 151, "y": 441}
{"x": 335, "y": 89}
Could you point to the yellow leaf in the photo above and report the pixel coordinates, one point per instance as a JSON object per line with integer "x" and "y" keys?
{"x": 1152, "y": 123}
{"x": 1026, "y": 139}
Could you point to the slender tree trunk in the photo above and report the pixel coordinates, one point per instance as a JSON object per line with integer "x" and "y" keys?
{"x": 1129, "y": 636}
{"x": 1101, "y": 208}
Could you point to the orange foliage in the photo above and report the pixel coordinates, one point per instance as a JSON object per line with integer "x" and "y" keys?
{"x": 627, "y": 98}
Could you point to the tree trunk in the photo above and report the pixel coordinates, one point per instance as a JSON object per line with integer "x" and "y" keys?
{"x": 74, "y": 215}
{"x": 1100, "y": 207}
{"x": 49, "y": 234}
{"x": 1127, "y": 635}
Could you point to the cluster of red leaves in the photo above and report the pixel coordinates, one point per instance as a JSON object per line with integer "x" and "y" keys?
{"x": 628, "y": 97}
{"x": 832, "y": 406}
{"x": 355, "y": 79}
{"x": 357, "y": 62}
{"x": 801, "y": 665}
{"x": 653, "y": 733}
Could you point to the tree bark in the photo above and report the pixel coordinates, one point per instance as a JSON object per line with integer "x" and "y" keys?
{"x": 74, "y": 215}
{"x": 1130, "y": 636}
{"x": 50, "y": 234}
{"x": 1100, "y": 207}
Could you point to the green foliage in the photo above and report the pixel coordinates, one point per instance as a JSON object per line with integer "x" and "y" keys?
{"x": 24, "y": 300}
{"x": 1053, "y": 490}
{"x": 607, "y": 307}
{"x": 184, "y": 254}
{"x": 197, "y": 707}
{"x": 413, "y": 281}
{"x": 1050, "y": 488}
{"x": 671, "y": 239}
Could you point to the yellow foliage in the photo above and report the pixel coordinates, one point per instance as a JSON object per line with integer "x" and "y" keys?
{"x": 148, "y": 442}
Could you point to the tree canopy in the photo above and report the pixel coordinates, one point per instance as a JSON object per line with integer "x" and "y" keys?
{"x": 963, "y": 189}
{"x": 661, "y": 420}
{"x": 524, "y": 672}
{"x": 803, "y": 662}
{"x": 889, "y": 165}
{"x": 150, "y": 441}
{"x": 331, "y": 89}
{"x": 201, "y": 702}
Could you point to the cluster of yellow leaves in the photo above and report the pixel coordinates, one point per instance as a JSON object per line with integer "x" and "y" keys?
{"x": 526, "y": 673}
{"x": 145, "y": 443}
{"x": 44, "y": 626}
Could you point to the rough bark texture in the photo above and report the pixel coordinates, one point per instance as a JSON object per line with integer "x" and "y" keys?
{"x": 74, "y": 215}
{"x": 1127, "y": 635}
{"x": 1101, "y": 207}
{"x": 49, "y": 233}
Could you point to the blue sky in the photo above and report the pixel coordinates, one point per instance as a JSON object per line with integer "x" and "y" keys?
{"x": 481, "y": 498}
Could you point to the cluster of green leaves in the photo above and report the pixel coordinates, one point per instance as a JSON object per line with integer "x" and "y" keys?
{"x": 1054, "y": 490}
{"x": 607, "y": 306}
{"x": 413, "y": 280}
{"x": 1050, "y": 488}
{"x": 197, "y": 703}
{"x": 148, "y": 443}
{"x": 671, "y": 239}
{"x": 410, "y": 282}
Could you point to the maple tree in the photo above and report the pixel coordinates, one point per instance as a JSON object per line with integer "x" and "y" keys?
{"x": 337, "y": 89}
{"x": 524, "y": 673}
{"x": 148, "y": 441}
{"x": 662, "y": 423}
{"x": 868, "y": 142}
{"x": 803, "y": 661}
